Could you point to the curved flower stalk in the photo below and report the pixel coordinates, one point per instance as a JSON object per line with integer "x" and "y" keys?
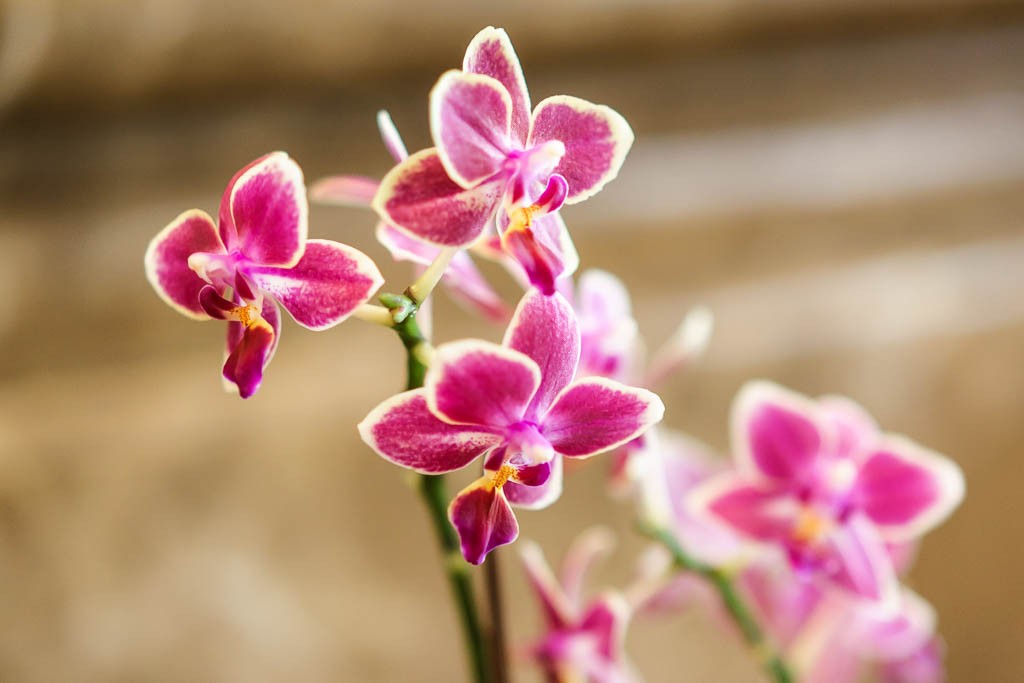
{"x": 818, "y": 481}
{"x": 583, "y": 640}
{"x": 461, "y": 278}
{"x": 255, "y": 257}
{"x": 496, "y": 162}
{"x": 518, "y": 406}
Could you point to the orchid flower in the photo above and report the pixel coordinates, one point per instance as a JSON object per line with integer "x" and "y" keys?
{"x": 256, "y": 257}
{"x": 463, "y": 280}
{"x": 495, "y": 162}
{"x": 820, "y": 482}
{"x": 518, "y": 405}
{"x": 581, "y": 641}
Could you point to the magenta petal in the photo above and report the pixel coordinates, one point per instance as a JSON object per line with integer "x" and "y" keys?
{"x": 167, "y": 260}
{"x": 403, "y": 430}
{"x": 596, "y": 414}
{"x": 268, "y": 212}
{"x": 855, "y": 560}
{"x": 775, "y": 432}
{"x": 476, "y": 382}
{"x": 540, "y": 496}
{"x": 545, "y": 329}
{"x": 244, "y": 366}
{"x": 418, "y": 196}
{"x": 236, "y": 332}
{"x": 344, "y": 190}
{"x": 906, "y": 490}
{"x": 760, "y": 513}
{"x": 469, "y": 120}
{"x": 490, "y": 53}
{"x": 483, "y": 519}
{"x": 596, "y": 140}
{"x": 607, "y": 619}
{"x": 324, "y": 287}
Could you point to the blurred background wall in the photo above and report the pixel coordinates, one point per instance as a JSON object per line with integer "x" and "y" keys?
{"x": 842, "y": 182}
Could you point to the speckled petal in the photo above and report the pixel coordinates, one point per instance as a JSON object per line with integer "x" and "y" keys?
{"x": 167, "y": 256}
{"x": 490, "y": 53}
{"x": 483, "y": 519}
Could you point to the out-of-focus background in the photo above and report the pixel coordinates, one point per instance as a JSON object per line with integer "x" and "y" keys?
{"x": 842, "y": 182}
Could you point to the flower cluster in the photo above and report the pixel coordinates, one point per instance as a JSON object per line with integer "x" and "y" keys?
{"x": 815, "y": 520}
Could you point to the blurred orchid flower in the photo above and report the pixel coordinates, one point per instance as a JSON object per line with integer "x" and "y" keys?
{"x": 582, "y": 641}
{"x": 496, "y": 162}
{"x": 819, "y": 481}
{"x": 256, "y": 257}
{"x": 464, "y": 282}
{"x": 518, "y": 404}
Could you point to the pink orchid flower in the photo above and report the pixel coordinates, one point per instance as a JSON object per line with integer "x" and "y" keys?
{"x": 256, "y": 257}
{"x": 517, "y": 404}
{"x": 462, "y": 278}
{"x": 582, "y": 641}
{"x": 832, "y": 640}
{"x": 496, "y": 162}
{"x": 819, "y": 481}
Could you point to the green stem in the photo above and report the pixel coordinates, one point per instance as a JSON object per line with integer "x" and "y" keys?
{"x": 435, "y": 495}
{"x": 731, "y": 599}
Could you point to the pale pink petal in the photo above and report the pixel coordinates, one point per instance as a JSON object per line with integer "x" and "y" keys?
{"x": 537, "y": 497}
{"x": 906, "y": 489}
{"x": 266, "y": 217}
{"x": 167, "y": 256}
{"x": 855, "y": 429}
{"x": 923, "y": 666}
{"x": 545, "y": 329}
{"x": 596, "y": 140}
{"x": 596, "y": 414}
{"x": 476, "y": 382}
{"x": 855, "y": 560}
{"x": 609, "y": 332}
{"x": 775, "y": 432}
{"x": 418, "y": 196}
{"x": 490, "y": 53}
{"x": 344, "y": 190}
{"x": 469, "y": 119}
{"x": 403, "y": 430}
{"x": 897, "y": 636}
{"x": 324, "y": 287}
{"x": 483, "y": 519}
{"x": 558, "y": 610}
{"x": 389, "y": 134}
{"x": 585, "y": 551}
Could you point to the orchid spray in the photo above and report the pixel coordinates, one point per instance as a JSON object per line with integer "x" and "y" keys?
{"x": 800, "y": 544}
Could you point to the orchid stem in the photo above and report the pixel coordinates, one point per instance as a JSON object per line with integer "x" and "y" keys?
{"x": 498, "y": 652}
{"x": 402, "y": 311}
{"x": 731, "y": 599}
{"x": 425, "y": 283}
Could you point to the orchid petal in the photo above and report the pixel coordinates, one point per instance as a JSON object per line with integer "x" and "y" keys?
{"x": 324, "y": 287}
{"x": 902, "y": 634}
{"x": 236, "y": 332}
{"x": 775, "y": 432}
{"x": 540, "y": 496}
{"x": 558, "y": 610}
{"x": 855, "y": 429}
{"x": 244, "y": 365}
{"x": 607, "y": 619}
{"x": 923, "y": 666}
{"x": 344, "y": 190}
{"x": 476, "y": 382}
{"x": 418, "y": 196}
{"x": 596, "y": 414}
{"x": 596, "y": 140}
{"x": 483, "y": 518}
{"x": 545, "y": 329}
{"x": 266, "y": 215}
{"x": 167, "y": 261}
{"x": 763, "y": 514}
{"x": 470, "y": 117}
{"x": 610, "y": 334}
{"x": 906, "y": 489}
{"x": 855, "y": 560}
{"x": 586, "y": 550}
{"x": 403, "y": 430}
{"x": 490, "y": 53}
{"x": 389, "y": 134}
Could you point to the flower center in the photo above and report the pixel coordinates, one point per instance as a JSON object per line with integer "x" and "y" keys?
{"x": 811, "y": 526}
{"x": 247, "y": 315}
{"x": 502, "y": 476}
